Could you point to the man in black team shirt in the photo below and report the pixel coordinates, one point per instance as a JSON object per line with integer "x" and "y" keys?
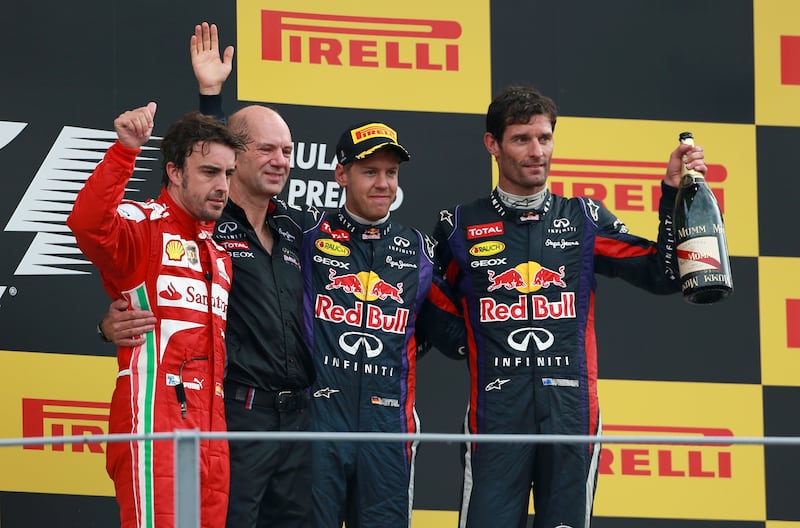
{"x": 269, "y": 368}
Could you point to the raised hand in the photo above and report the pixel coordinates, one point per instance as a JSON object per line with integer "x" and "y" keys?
{"x": 135, "y": 126}
{"x": 210, "y": 70}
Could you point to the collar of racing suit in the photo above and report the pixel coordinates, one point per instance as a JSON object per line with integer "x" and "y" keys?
{"x": 520, "y": 216}
{"x": 183, "y": 218}
{"x": 364, "y": 232}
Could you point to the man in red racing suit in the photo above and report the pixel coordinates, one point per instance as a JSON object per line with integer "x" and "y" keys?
{"x": 523, "y": 263}
{"x": 161, "y": 256}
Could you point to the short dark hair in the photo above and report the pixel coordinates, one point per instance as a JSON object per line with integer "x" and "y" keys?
{"x": 516, "y": 104}
{"x": 192, "y": 129}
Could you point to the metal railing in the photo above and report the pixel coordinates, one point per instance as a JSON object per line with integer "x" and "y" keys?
{"x": 187, "y": 449}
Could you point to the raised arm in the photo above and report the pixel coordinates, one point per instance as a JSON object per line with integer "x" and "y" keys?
{"x": 210, "y": 69}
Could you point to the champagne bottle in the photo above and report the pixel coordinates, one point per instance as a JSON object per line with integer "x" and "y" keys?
{"x": 702, "y": 248}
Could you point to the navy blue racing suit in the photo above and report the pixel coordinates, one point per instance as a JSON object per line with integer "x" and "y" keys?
{"x": 368, "y": 290}
{"x": 527, "y": 283}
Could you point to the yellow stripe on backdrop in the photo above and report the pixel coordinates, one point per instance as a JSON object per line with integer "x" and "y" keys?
{"x": 779, "y": 317}
{"x": 434, "y": 57}
{"x": 776, "y": 40}
{"x": 53, "y": 395}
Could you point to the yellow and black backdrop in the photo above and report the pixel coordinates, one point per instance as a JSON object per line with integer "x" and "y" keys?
{"x": 628, "y": 76}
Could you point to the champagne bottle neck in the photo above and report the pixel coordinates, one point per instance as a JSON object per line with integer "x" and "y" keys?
{"x": 696, "y": 177}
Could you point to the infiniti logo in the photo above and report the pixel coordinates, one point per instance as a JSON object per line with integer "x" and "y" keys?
{"x": 352, "y": 342}
{"x": 520, "y": 339}
{"x": 561, "y": 222}
{"x": 402, "y": 242}
{"x": 227, "y": 227}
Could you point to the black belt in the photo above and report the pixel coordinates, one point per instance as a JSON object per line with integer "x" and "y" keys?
{"x": 281, "y": 401}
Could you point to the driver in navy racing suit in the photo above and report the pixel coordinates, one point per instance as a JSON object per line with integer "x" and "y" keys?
{"x": 523, "y": 263}
{"x": 373, "y": 300}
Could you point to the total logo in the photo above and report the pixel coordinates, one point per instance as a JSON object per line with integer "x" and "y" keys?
{"x": 366, "y": 286}
{"x": 526, "y": 277}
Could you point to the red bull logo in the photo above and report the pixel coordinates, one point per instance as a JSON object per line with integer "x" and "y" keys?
{"x": 383, "y": 289}
{"x": 510, "y": 279}
{"x": 349, "y": 282}
{"x": 545, "y": 277}
{"x": 361, "y": 315}
{"x": 535, "y": 308}
{"x": 526, "y": 277}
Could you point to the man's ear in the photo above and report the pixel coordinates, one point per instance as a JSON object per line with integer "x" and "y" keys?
{"x": 491, "y": 143}
{"x": 340, "y": 175}
{"x": 174, "y": 174}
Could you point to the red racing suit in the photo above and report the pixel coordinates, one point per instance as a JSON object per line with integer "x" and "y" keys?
{"x": 165, "y": 261}
{"x": 526, "y": 281}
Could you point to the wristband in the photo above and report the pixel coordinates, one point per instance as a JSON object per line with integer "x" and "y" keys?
{"x": 100, "y": 333}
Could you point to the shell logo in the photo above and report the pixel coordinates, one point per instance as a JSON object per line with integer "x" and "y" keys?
{"x": 331, "y": 247}
{"x": 175, "y": 249}
{"x": 488, "y": 248}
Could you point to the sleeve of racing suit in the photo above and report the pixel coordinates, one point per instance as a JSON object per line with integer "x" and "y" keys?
{"x": 442, "y": 253}
{"x": 211, "y": 105}
{"x": 643, "y": 263}
{"x": 440, "y": 323}
{"x": 101, "y": 233}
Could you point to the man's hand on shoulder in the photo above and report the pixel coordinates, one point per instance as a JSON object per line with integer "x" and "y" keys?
{"x": 126, "y": 327}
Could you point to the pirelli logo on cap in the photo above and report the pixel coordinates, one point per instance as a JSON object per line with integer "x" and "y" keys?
{"x": 372, "y": 130}
{"x": 365, "y": 55}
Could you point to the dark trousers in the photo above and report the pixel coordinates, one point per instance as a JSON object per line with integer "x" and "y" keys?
{"x": 270, "y": 481}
